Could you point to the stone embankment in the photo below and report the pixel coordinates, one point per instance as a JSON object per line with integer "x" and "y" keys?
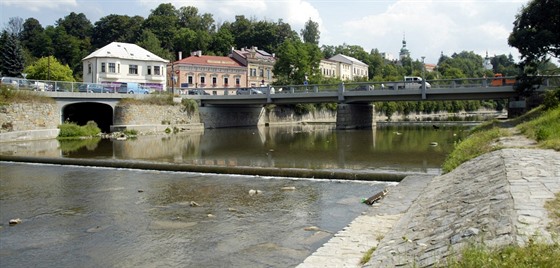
{"x": 496, "y": 199}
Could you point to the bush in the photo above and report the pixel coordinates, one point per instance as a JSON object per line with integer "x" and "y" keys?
{"x": 73, "y": 130}
{"x": 545, "y": 129}
{"x": 551, "y": 99}
{"x": 189, "y": 105}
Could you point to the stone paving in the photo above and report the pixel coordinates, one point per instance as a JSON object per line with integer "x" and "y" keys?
{"x": 497, "y": 198}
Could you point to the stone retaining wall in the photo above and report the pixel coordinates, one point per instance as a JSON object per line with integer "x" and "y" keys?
{"x": 147, "y": 118}
{"x": 29, "y": 121}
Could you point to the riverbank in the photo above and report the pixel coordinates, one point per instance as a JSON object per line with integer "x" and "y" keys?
{"x": 495, "y": 199}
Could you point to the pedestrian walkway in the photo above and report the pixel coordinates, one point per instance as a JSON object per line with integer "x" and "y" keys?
{"x": 348, "y": 246}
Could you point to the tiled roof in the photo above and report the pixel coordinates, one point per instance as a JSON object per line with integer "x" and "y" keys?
{"x": 210, "y": 61}
{"x": 124, "y": 51}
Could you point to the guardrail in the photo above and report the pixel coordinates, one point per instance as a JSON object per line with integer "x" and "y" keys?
{"x": 62, "y": 86}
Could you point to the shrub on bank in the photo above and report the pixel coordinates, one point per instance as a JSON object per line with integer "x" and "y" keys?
{"x": 545, "y": 129}
{"x": 73, "y": 130}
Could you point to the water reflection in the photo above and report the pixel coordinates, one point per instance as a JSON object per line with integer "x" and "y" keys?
{"x": 399, "y": 148}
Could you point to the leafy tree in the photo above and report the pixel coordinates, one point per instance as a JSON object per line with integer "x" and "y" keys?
{"x": 150, "y": 42}
{"x": 34, "y": 38}
{"x": 222, "y": 42}
{"x": 11, "y": 55}
{"x": 49, "y": 67}
{"x": 310, "y": 33}
{"x": 189, "y": 18}
{"x": 163, "y": 22}
{"x": 535, "y": 31}
{"x": 296, "y": 62}
{"x": 77, "y": 25}
{"x": 116, "y": 28}
{"x": 15, "y": 26}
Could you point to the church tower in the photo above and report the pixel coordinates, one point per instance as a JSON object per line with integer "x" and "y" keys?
{"x": 404, "y": 51}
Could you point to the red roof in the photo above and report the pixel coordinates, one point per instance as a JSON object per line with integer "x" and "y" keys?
{"x": 210, "y": 61}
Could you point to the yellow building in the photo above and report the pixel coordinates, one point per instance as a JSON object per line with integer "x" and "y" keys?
{"x": 259, "y": 65}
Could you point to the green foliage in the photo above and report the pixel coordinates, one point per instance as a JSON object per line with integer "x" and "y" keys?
{"x": 190, "y": 105}
{"x": 367, "y": 256}
{"x": 73, "y": 130}
{"x": 310, "y": 32}
{"x": 551, "y": 98}
{"x": 304, "y": 108}
{"x": 545, "y": 129}
{"x": 72, "y": 145}
{"x": 49, "y": 68}
{"x": 130, "y": 132}
{"x": 532, "y": 255}
{"x": 296, "y": 61}
{"x": 478, "y": 143}
{"x": 7, "y": 96}
{"x": 11, "y": 55}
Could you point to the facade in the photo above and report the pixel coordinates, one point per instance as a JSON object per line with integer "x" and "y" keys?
{"x": 259, "y": 65}
{"x": 118, "y": 63}
{"x": 348, "y": 68}
{"x": 212, "y": 74}
{"x": 328, "y": 68}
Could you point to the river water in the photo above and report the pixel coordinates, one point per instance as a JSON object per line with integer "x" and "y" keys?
{"x": 117, "y": 217}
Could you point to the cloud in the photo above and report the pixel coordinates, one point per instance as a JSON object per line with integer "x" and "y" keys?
{"x": 432, "y": 27}
{"x": 39, "y": 5}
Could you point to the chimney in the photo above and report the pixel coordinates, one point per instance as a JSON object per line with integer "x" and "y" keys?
{"x": 180, "y": 55}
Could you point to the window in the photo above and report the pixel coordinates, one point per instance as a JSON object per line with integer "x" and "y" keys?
{"x": 111, "y": 67}
{"x": 268, "y": 74}
{"x": 237, "y": 81}
{"x": 262, "y": 73}
{"x": 190, "y": 79}
{"x": 149, "y": 69}
{"x": 103, "y": 67}
{"x": 214, "y": 80}
{"x": 253, "y": 72}
{"x": 89, "y": 68}
{"x": 226, "y": 80}
{"x": 202, "y": 80}
{"x": 157, "y": 70}
{"x": 133, "y": 69}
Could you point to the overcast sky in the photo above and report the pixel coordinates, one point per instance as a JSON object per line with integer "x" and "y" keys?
{"x": 430, "y": 26}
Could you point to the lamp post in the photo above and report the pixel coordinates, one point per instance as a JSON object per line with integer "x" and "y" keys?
{"x": 423, "y": 79}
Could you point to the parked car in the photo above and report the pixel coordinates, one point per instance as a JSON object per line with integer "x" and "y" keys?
{"x": 197, "y": 92}
{"x": 248, "y": 91}
{"x": 19, "y": 83}
{"x": 93, "y": 88}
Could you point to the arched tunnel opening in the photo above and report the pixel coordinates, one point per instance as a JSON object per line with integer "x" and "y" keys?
{"x": 81, "y": 113}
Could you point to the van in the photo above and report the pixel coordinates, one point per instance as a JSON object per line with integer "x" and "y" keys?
{"x": 410, "y": 82}
{"x": 133, "y": 88}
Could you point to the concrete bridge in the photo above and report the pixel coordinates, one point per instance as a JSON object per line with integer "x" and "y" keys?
{"x": 354, "y": 99}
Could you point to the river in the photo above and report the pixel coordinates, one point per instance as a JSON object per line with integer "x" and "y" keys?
{"x": 118, "y": 217}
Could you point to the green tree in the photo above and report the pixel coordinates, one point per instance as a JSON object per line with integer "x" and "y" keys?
{"x": 116, "y": 28}
{"x": 310, "y": 33}
{"x": 77, "y": 25}
{"x": 163, "y": 22}
{"x": 11, "y": 55}
{"x": 34, "y": 38}
{"x": 49, "y": 67}
{"x": 535, "y": 31}
{"x": 222, "y": 42}
{"x": 297, "y": 62}
{"x": 150, "y": 42}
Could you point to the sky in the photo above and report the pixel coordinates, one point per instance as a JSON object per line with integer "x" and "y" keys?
{"x": 430, "y": 27}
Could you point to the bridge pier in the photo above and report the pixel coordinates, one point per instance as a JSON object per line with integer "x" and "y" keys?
{"x": 231, "y": 116}
{"x": 351, "y": 116}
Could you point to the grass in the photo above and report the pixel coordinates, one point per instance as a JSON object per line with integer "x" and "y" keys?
{"x": 9, "y": 95}
{"x": 71, "y": 130}
{"x": 367, "y": 255}
{"x": 538, "y": 124}
{"x": 542, "y": 125}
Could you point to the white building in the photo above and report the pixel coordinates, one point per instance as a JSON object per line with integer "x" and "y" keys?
{"x": 348, "y": 68}
{"x": 118, "y": 63}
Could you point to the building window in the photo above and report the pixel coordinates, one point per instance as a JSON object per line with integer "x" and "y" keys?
{"x": 268, "y": 74}
{"x": 237, "y": 82}
{"x": 214, "y": 80}
{"x": 202, "y": 80}
{"x": 118, "y": 68}
{"x": 157, "y": 70}
{"x": 111, "y": 67}
{"x": 149, "y": 69}
{"x": 133, "y": 69}
{"x": 226, "y": 81}
{"x": 253, "y": 72}
{"x": 89, "y": 68}
{"x": 190, "y": 79}
{"x": 103, "y": 67}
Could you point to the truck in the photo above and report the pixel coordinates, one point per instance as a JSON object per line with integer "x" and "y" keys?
{"x": 409, "y": 82}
